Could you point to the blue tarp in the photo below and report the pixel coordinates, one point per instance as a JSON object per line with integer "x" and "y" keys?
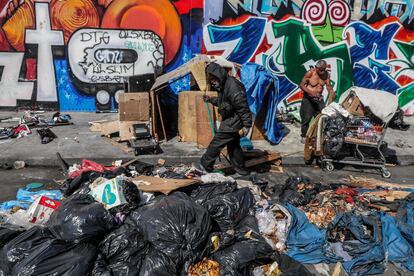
{"x": 25, "y": 197}
{"x": 257, "y": 82}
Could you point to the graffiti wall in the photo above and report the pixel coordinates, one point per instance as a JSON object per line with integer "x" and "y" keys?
{"x": 78, "y": 54}
{"x": 367, "y": 43}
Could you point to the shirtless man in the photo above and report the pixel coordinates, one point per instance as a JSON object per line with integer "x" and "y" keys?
{"x": 312, "y": 86}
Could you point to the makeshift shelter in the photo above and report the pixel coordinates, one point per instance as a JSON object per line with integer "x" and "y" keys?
{"x": 196, "y": 68}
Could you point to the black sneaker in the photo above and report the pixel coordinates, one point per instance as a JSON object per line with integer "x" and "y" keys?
{"x": 241, "y": 171}
{"x": 201, "y": 168}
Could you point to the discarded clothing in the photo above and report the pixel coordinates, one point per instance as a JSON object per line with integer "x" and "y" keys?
{"x": 305, "y": 242}
{"x": 46, "y": 135}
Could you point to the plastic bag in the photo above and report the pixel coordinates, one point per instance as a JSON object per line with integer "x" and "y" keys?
{"x": 20, "y": 247}
{"x": 238, "y": 256}
{"x": 124, "y": 250}
{"x": 229, "y": 209}
{"x": 8, "y": 233}
{"x": 58, "y": 258}
{"x": 202, "y": 193}
{"x": 79, "y": 219}
{"x": 88, "y": 165}
{"x": 158, "y": 263}
{"x": 274, "y": 225}
{"x": 176, "y": 226}
{"x": 216, "y": 178}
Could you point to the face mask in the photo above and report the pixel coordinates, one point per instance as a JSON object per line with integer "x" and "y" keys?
{"x": 216, "y": 86}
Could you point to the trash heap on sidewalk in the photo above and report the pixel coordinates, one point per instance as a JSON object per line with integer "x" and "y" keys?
{"x": 139, "y": 219}
{"x": 31, "y": 120}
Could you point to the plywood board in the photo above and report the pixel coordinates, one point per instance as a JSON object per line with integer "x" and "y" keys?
{"x": 204, "y": 126}
{"x": 187, "y": 114}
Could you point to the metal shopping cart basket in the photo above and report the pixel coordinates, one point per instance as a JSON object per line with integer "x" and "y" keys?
{"x": 362, "y": 144}
{"x": 360, "y": 139}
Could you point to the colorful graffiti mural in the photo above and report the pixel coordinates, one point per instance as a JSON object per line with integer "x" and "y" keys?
{"x": 73, "y": 54}
{"x": 359, "y": 52}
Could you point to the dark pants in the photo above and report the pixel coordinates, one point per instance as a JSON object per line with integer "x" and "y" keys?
{"x": 222, "y": 139}
{"x": 310, "y": 107}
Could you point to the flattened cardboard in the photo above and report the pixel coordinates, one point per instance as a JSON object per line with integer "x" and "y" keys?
{"x": 134, "y": 106}
{"x": 151, "y": 184}
{"x": 109, "y": 128}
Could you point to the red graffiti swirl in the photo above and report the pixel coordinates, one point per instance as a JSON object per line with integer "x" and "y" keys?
{"x": 339, "y": 13}
{"x": 314, "y": 11}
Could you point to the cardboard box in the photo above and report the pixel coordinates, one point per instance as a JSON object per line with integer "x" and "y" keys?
{"x": 134, "y": 106}
{"x": 41, "y": 209}
{"x": 109, "y": 193}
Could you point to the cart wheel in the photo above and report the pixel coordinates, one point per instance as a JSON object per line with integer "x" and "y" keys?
{"x": 329, "y": 166}
{"x": 385, "y": 173}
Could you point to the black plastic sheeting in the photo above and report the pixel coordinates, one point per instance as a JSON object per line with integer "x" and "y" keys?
{"x": 37, "y": 252}
{"x": 80, "y": 219}
{"x": 334, "y": 131}
{"x": 175, "y": 226}
{"x": 297, "y": 190}
{"x": 229, "y": 209}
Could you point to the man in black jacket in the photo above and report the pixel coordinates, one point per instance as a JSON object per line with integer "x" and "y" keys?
{"x": 236, "y": 118}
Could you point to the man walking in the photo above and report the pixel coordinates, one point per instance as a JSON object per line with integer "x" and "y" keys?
{"x": 312, "y": 86}
{"x": 236, "y": 118}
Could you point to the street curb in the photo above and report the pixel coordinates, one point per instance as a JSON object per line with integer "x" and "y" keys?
{"x": 288, "y": 161}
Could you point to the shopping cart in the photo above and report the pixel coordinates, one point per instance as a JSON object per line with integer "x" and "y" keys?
{"x": 362, "y": 145}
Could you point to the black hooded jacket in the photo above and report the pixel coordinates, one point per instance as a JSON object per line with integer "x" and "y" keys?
{"x": 231, "y": 101}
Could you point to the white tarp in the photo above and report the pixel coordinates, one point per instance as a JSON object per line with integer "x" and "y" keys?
{"x": 381, "y": 103}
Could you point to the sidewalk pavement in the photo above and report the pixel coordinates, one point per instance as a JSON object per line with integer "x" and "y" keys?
{"x": 77, "y": 142}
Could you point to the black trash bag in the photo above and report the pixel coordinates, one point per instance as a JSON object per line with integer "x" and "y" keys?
{"x": 171, "y": 174}
{"x": 238, "y": 256}
{"x": 334, "y": 130}
{"x": 202, "y": 193}
{"x": 79, "y": 219}
{"x": 175, "y": 226}
{"x": 132, "y": 196}
{"x": 159, "y": 264}
{"x": 297, "y": 191}
{"x": 229, "y": 209}
{"x": 248, "y": 223}
{"x": 69, "y": 186}
{"x": 7, "y": 234}
{"x": 55, "y": 257}
{"x": 99, "y": 268}
{"x": 397, "y": 121}
{"x": 287, "y": 265}
{"x": 141, "y": 167}
{"x": 22, "y": 246}
{"x": 124, "y": 250}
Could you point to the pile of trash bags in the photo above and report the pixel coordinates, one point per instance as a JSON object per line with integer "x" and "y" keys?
{"x": 105, "y": 225}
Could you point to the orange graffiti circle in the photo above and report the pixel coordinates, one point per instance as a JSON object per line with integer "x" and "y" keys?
{"x": 70, "y": 15}
{"x": 15, "y": 26}
{"x": 158, "y": 16}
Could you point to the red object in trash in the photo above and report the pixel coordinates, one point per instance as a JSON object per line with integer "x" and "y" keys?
{"x": 88, "y": 165}
{"x": 348, "y": 193}
{"x": 41, "y": 209}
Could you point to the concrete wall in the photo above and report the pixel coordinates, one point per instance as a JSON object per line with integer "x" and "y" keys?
{"x": 72, "y": 54}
